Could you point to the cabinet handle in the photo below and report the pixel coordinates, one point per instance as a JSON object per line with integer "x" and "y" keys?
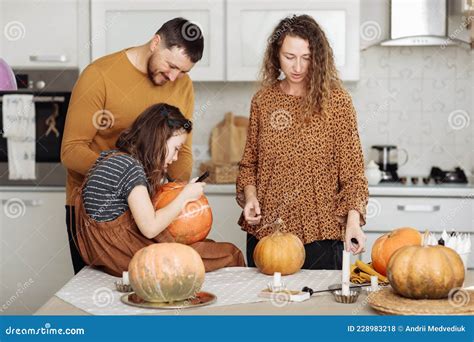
{"x": 419, "y": 208}
{"x": 27, "y": 203}
{"x": 49, "y": 58}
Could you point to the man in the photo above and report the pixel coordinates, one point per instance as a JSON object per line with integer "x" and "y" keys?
{"x": 113, "y": 90}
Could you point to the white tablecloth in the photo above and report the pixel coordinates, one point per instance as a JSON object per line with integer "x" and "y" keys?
{"x": 94, "y": 291}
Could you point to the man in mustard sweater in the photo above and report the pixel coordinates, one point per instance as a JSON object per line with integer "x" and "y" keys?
{"x": 113, "y": 90}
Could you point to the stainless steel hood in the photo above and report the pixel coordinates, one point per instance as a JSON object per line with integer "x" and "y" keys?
{"x": 429, "y": 22}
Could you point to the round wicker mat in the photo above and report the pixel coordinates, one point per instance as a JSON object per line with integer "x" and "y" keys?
{"x": 388, "y": 302}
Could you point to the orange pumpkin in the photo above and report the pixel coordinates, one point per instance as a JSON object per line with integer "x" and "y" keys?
{"x": 279, "y": 252}
{"x": 166, "y": 272}
{"x": 389, "y": 243}
{"x": 428, "y": 272}
{"x": 195, "y": 220}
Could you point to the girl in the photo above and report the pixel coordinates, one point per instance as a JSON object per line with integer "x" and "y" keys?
{"x": 303, "y": 160}
{"x": 114, "y": 212}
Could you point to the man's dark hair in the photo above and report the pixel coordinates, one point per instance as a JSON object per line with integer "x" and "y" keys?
{"x": 183, "y": 34}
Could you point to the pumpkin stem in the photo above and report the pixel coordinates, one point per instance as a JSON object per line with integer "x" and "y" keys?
{"x": 424, "y": 238}
{"x": 278, "y": 226}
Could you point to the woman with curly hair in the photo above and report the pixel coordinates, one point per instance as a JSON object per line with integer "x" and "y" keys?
{"x": 303, "y": 160}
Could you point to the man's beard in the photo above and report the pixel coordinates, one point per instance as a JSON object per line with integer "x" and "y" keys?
{"x": 151, "y": 75}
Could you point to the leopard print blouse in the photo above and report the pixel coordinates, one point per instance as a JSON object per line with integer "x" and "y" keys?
{"x": 309, "y": 174}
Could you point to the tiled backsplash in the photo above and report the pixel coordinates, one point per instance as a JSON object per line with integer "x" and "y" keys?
{"x": 418, "y": 98}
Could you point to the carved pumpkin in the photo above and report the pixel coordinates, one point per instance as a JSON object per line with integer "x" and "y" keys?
{"x": 166, "y": 272}
{"x": 389, "y": 243}
{"x": 195, "y": 220}
{"x": 428, "y": 272}
{"x": 279, "y": 252}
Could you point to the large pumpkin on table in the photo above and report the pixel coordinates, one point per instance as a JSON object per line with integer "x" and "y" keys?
{"x": 279, "y": 252}
{"x": 195, "y": 220}
{"x": 428, "y": 272}
{"x": 166, "y": 272}
{"x": 389, "y": 243}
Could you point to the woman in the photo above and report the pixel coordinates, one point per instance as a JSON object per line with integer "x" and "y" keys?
{"x": 115, "y": 214}
{"x": 303, "y": 160}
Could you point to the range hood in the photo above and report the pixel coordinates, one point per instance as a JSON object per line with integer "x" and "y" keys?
{"x": 430, "y": 22}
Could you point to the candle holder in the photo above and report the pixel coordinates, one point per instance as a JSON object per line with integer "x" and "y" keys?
{"x": 276, "y": 288}
{"x": 121, "y": 287}
{"x": 351, "y": 298}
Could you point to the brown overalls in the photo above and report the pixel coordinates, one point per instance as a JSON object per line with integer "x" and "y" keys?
{"x": 111, "y": 245}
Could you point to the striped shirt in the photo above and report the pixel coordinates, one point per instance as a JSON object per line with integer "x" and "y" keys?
{"x": 109, "y": 183}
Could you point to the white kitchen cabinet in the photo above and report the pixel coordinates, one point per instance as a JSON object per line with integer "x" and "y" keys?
{"x": 47, "y": 33}
{"x": 250, "y": 23}
{"x": 118, "y": 24}
{"x": 226, "y": 213}
{"x": 432, "y": 213}
{"x": 35, "y": 260}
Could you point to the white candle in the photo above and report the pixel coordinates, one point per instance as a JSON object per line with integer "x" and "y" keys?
{"x": 374, "y": 283}
{"x": 276, "y": 279}
{"x": 125, "y": 280}
{"x": 346, "y": 263}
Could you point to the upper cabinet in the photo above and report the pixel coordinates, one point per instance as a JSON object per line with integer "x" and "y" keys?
{"x": 118, "y": 24}
{"x": 47, "y": 33}
{"x": 250, "y": 24}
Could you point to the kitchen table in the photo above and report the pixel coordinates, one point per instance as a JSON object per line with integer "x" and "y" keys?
{"x": 319, "y": 304}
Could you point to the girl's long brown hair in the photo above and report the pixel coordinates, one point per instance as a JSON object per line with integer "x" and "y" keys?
{"x": 322, "y": 73}
{"x": 146, "y": 140}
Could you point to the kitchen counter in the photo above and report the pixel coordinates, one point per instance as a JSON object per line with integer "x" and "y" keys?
{"x": 319, "y": 304}
{"x": 444, "y": 190}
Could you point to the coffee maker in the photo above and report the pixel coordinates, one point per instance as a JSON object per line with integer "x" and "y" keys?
{"x": 387, "y": 160}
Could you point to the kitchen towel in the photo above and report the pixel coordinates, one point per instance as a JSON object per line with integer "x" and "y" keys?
{"x": 94, "y": 291}
{"x": 19, "y": 128}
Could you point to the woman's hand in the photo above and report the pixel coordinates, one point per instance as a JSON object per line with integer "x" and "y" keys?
{"x": 252, "y": 211}
{"x": 353, "y": 231}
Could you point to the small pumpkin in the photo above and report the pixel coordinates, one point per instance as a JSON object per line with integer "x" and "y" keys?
{"x": 428, "y": 272}
{"x": 195, "y": 220}
{"x": 166, "y": 272}
{"x": 279, "y": 252}
{"x": 389, "y": 243}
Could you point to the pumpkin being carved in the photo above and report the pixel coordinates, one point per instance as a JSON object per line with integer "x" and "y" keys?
{"x": 425, "y": 272}
{"x": 195, "y": 220}
{"x": 279, "y": 252}
{"x": 389, "y": 243}
{"x": 166, "y": 272}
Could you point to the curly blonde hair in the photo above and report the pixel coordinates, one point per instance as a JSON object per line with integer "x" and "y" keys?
{"x": 322, "y": 72}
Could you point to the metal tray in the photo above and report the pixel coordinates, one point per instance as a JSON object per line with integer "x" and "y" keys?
{"x": 200, "y": 299}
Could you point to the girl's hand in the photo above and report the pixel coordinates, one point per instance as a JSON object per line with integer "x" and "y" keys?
{"x": 353, "y": 230}
{"x": 193, "y": 191}
{"x": 252, "y": 211}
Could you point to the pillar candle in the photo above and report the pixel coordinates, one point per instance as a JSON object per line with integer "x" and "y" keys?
{"x": 374, "y": 283}
{"x": 125, "y": 279}
{"x": 346, "y": 263}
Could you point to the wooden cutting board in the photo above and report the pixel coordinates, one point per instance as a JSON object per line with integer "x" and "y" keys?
{"x": 228, "y": 139}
